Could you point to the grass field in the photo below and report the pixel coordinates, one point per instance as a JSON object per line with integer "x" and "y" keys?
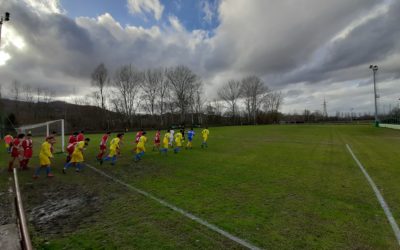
{"x": 277, "y": 187}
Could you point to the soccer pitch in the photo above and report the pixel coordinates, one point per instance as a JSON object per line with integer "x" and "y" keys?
{"x": 276, "y": 187}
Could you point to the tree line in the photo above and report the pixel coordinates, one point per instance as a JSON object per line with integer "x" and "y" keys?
{"x": 175, "y": 96}
{"x": 155, "y": 97}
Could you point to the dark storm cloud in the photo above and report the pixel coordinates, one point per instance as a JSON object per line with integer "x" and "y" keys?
{"x": 348, "y": 58}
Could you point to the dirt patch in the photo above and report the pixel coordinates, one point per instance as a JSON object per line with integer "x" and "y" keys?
{"x": 5, "y": 209}
{"x": 61, "y": 209}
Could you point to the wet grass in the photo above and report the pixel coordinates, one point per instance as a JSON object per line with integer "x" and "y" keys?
{"x": 278, "y": 187}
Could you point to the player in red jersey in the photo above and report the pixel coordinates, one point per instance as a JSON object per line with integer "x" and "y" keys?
{"x": 72, "y": 138}
{"x": 27, "y": 147}
{"x": 138, "y": 135}
{"x": 80, "y": 136}
{"x": 16, "y": 151}
{"x": 103, "y": 145}
{"x": 137, "y": 138}
{"x": 157, "y": 140}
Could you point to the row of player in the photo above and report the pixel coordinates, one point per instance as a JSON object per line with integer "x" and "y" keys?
{"x": 21, "y": 148}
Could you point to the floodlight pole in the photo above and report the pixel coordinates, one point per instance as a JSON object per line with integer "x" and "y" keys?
{"x": 374, "y": 69}
{"x": 3, "y": 19}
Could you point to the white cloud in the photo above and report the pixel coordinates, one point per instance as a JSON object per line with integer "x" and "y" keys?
{"x": 208, "y": 11}
{"x": 149, "y": 6}
{"x": 46, "y": 6}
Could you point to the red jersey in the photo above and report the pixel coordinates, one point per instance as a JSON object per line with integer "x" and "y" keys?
{"x": 157, "y": 137}
{"x": 71, "y": 139}
{"x": 71, "y": 148}
{"x": 16, "y": 147}
{"x": 138, "y": 135}
{"x": 104, "y": 140}
{"x": 27, "y": 146}
{"x": 80, "y": 137}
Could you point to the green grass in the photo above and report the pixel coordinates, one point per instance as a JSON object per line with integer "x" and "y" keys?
{"x": 278, "y": 187}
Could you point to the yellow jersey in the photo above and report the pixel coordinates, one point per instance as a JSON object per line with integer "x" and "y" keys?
{"x": 205, "y": 133}
{"x": 114, "y": 144}
{"x": 141, "y": 143}
{"x": 45, "y": 154}
{"x": 166, "y": 139}
{"x": 178, "y": 139}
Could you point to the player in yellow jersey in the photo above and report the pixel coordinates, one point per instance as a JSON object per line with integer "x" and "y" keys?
{"x": 178, "y": 142}
{"x": 114, "y": 149}
{"x": 44, "y": 157}
{"x": 165, "y": 145}
{"x": 140, "y": 148}
{"x": 205, "y": 134}
{"x": 77, "y": 156}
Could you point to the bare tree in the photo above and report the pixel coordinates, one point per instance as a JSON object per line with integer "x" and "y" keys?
{"x": 254, "y": 91}
{"x": 230, "y": 94}
{"x": 163, "y": 94}
{"x": 16, "y": 90}
{"x": 38, "y": 94}
{"x": 273, "y": 102}
{"x": 28, "y": 93}
{"x": 182, "y": 80}
{"x": 152, "y": 80}
{"x": 100, "y": 80}
{"x": 127, "y": 83}
{"x": 15, "y": 93}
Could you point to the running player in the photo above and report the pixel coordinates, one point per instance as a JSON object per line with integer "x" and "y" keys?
{"x": 71, "y": 146}
{"x": 190, "y": 135}
{"x": 27, "y": 147}
{"x": 44, "y": 157}
{"x": 138, "y": 135}
{"x": 72, "y": 138}
{"x": 80, "y": 136}
{"x": 140, "y": 148}
{"x": 157, "y": 140}
{"x": 165, "y": 143}
{"x": 114, "y": 149}
{"x": 77, "y": 156}
{"x": 16, "y": 151}
{"x": 103, "y": 145}
{"x": 178, "y": 142}
{"x": 205, "y": 134}
{"x": 171, "y": 137}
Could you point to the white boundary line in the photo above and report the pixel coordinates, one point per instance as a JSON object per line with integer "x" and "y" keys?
{"x": 379, "y": 196}
{"x": 179, "y": 210}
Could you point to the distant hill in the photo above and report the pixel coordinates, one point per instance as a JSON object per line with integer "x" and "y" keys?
{"x": 77, "y": 117}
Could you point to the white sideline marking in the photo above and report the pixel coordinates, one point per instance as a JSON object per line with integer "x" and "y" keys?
{"x": 379, "y": 196}
{"x": 181, "y": 211}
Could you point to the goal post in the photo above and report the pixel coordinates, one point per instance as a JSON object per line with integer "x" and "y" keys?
{"x": 45, "y": 129}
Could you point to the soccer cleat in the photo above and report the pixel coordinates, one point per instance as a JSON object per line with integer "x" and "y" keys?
{"x": 50, "y": 175}
{"x": 77, "y": 170}
{"x": 101, "y": 161}
{"x": 35, "y": 177}
{"x": 63, "y": 171}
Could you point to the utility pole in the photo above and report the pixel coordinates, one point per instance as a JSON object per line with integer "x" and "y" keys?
{"x": 374, "y": 69}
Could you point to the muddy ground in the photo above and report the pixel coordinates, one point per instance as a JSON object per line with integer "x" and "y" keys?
{"x": 6, "y": 206}
{"x": 58, "y": 209}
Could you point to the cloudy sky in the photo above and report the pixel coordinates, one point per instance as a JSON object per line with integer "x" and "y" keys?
{"x": 308, "y": 49}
